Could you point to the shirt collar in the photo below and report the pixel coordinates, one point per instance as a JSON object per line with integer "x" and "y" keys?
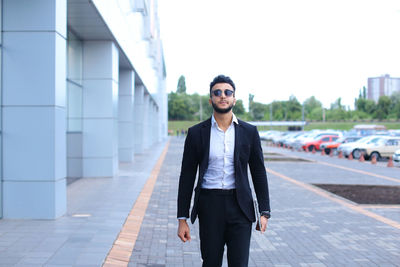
{"x": 234, "y": 120}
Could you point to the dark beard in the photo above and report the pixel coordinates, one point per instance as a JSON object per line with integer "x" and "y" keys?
{"x": 221, "y": 110}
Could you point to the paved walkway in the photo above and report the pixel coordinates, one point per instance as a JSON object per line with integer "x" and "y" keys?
{"x": 97, "y": 210}
{"x": 309, "y": 227}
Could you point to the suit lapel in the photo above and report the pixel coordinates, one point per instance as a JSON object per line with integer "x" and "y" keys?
{"x": 205, "y": 141}
{"x": 238, "y": 134}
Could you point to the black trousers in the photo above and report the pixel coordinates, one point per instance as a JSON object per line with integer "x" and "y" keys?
{"x": 222, "y": 222}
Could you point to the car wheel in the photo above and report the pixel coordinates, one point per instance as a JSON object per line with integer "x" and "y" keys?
{"x": 327, "y": 151}
{"x": 311, "y": 148}
{"x": 376, "y": 155}
{"x": 356, "y": 154}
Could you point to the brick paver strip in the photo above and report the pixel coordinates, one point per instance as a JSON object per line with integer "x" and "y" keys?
{"x": 121, "y": 251}
{"x": 337, "y": 200}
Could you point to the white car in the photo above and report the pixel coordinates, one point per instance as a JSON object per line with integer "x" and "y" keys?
{"x": 348, "y": 148}
{"x": 384, "y": 147}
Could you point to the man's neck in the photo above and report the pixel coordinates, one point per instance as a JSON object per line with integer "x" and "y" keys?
{"x": 224, "y": 120}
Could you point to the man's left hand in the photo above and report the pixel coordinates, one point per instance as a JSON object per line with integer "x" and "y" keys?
{"x": 264, "y": 223}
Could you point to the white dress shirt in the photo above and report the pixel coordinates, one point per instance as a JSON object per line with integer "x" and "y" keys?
{"x": 220, "y": 173}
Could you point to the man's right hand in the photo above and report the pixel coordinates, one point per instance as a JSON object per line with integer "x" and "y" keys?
{"x": 183, "y": 230}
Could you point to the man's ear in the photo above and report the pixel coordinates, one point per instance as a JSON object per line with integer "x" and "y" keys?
{"x": 209, "y": 101}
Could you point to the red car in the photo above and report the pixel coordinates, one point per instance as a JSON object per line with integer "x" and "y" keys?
{"x": 314, "y": 144}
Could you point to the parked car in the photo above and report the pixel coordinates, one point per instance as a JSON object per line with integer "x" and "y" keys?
{"x": 289, "y": 141}
{"x": 277, "y": 137}
{"x": 382, "y": 148}
{"x": 332, "y": 146}
{"x": 315, "y": 144}
{"x": 267, "y": 135}
{"x": 348, "y": 148}
{"x": 396, "y": 157}
{"x": 281, "y": 140}
{"x": 312, "y": 135}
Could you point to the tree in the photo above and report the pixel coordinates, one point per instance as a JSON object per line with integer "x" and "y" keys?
{"x": 180, "y": 107}
{"x": 293, "y": 109}
{"x": 310, "y": 104}
{"x": 316, "y": 114}
{"x": 238, "y": 109}
{"x": 257, "y": 110}
{"x": 207, "y": 108}
{"x": 337, "y": 111}
{"x": 278, "y": 110}
{"x": 181, "y": 89}
{"x": 395, "y": 106}
{"x": 337, "y": 104}
{"x": 383, "y": 107}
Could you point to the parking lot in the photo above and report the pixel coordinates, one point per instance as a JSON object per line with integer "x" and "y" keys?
{"x": 362, "y": 142}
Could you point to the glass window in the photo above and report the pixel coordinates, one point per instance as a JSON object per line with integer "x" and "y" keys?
{"x": 392, "y": 142}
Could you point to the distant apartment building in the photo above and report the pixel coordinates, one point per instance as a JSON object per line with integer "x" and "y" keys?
{"x": 383, "y": 85}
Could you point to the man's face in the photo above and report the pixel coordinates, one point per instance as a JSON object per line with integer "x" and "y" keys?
{"x": 222, "y": 97}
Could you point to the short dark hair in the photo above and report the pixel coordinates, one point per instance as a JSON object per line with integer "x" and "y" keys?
{"x": 222, "y": 79}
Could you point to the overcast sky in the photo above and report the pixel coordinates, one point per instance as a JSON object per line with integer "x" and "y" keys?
{"x": 274, "y": 49}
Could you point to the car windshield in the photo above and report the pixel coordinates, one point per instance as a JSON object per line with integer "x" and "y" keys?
{"x": 375, "y": 140}
{"x": 367, "y": 139}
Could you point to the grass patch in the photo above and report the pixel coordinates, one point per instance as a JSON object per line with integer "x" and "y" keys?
{"x": 174, "y": 126}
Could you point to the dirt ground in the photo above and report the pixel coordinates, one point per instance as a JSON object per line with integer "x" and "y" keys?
{"x": 365, "y": 194}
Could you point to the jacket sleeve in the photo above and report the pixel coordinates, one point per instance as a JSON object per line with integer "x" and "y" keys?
{"x": 187, "y": 176}
{"x": 258, "y": 173}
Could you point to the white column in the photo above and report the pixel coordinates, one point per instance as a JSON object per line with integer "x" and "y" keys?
{"x": 152, "y": 121}
{"x": 139, "y": 120}
{"x": 34, "y": 112}
{"x": 146, "y": 123}
{"x": 100, "y": 109}
{"x": 125, "y": 115}
{"x": 158, "y": 124}
{"x": 155, "y": 124}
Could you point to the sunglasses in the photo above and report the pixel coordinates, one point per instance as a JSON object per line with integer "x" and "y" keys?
{"x": 227, "y": 92}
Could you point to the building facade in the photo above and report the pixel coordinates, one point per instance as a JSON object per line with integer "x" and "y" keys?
{"x": 383, "y": 85}
{"x": 82, "y": 89}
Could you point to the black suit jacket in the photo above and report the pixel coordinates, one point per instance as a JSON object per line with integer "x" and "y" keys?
{"x": 248, "y": 152}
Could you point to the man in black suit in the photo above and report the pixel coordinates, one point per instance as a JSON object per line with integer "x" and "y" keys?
{"x": 221, "y": 148}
